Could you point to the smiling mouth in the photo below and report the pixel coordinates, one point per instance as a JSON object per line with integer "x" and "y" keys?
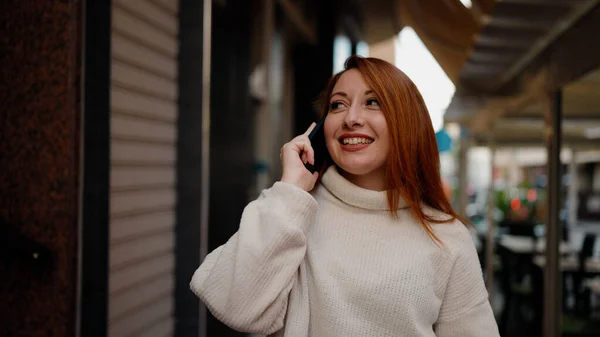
{"x": 356, "y": 141}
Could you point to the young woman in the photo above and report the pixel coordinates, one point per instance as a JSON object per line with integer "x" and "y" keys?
{"x": 371, "y": 247}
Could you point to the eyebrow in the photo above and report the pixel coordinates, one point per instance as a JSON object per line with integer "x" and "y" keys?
{"x": 343, "y": 94}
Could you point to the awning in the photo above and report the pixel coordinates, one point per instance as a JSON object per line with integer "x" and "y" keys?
{"x": 446, "y": 27}
{"x": 503, "y": 56}
{"x": 527, "y": 49}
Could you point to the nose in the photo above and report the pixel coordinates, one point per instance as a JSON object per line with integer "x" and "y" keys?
{"x": 353, "y": 117}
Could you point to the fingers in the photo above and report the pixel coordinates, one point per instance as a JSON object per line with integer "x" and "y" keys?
{"x": 293, "y": 155}
{"x": 301, "y": 145}
{"x": 308, "y": 154}
{"x": 310, "y": 128}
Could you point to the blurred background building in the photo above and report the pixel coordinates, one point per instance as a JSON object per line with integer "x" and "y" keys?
{"x": 134, "y": 132}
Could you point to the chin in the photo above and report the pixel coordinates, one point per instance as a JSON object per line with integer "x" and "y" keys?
{"x": 358, "y": 169}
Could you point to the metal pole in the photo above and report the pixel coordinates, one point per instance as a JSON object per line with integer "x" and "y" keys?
{"x": 552, "y": 275}
{"x": 573, "y": 189}
{"x": 491, "y": 233}
{"x": 204, "y": 173}
{"x": 463, "y": 168}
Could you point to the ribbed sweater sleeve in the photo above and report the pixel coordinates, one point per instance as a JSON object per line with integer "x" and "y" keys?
{"x": 466, "y": 311}
{"x": 245, "y": 282}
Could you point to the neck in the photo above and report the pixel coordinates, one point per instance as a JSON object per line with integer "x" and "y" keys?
{"x": 374, "y": 181}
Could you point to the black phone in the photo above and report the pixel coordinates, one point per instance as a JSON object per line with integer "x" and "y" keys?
{"x": 317, "y": 142}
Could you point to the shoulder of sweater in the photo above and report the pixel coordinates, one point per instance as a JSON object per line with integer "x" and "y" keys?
{"x": 284, "y": 193}
{"x": 455, "y": 234}
{"x": 280, "y": 187}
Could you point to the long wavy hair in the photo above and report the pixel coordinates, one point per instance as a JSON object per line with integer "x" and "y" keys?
{"x": 413, "y": 165}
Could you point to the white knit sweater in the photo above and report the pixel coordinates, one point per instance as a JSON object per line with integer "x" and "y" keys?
{"x": 335, "y": 263}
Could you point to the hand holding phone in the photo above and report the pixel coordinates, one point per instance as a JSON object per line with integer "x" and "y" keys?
{"x": 294, "y": 155}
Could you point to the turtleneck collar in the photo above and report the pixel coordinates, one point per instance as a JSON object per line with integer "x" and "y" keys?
{"x": 354, "y": 195}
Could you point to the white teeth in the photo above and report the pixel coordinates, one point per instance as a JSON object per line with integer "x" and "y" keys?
{"x": 356, "y": 140}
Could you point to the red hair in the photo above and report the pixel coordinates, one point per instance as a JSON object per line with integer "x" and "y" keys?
{"x": 413, "y": 165}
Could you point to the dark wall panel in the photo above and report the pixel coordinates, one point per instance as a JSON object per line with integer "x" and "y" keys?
{"x": 189, "y": 166}
{"x": 232, "y": 127}
{"x": 39, "y": 163}
{"x": 96, "y": 169}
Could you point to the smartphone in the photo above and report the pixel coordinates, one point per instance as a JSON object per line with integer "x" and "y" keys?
{"x": 317, "y": 142}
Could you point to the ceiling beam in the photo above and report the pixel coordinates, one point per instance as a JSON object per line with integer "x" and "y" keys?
{"x": 478, "y": 56}
{"x": 545, "y": 2}
{"x": 506, "y": 41}
{"x": 547, "y": 40}
{"x": 512, "y": 33}
{"x": 567, "y": 116}
{"x": 520, "y": 23}
{"x": 539, "y": 123}
{"x": 580, "y": 144}
{"x": 475, "y": 68}
{"x": 576, "y": 54}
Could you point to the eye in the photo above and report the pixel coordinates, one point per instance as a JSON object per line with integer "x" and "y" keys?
{"x": 373, "y": 102}
{"x": 335, "y": 105}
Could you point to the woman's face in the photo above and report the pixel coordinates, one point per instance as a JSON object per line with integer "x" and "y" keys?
{"x": 356, "y": 132}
